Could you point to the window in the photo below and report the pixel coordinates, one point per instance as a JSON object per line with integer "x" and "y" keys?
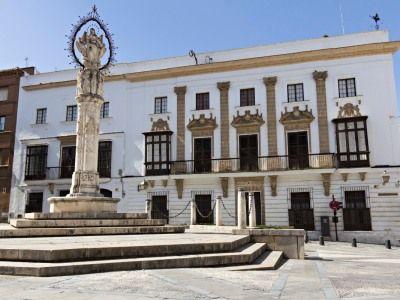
{"x": 157, "y": 152}
{"x": 67, "y": 161}
{"x": 202, "y": 101}
{"x": 72, "y": 113}
{"x": 352, "y": 142}
{"x": 2, "y": 123}
{"x": 34, "y": 202}
{"x": 104, "y": 159}
{"x": 247, "y": 97}
{"x": 105, "y": 110}
{"x": 4, "y": 157}
{"x": 301, "y": 215}
{"x": 356, "y": 214}
{"x": 295, "y": 92}
{"x": 3, "y": 94}
{"x": 41, "y": 115}
{"x": 36, "y": 162}
{"x": 347, "y": 87}
{"x": 160, "y": 105}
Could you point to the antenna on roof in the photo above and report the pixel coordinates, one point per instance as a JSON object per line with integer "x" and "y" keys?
{"x": 376, "y": 19}
{"x": 26, "y": 61}
{"x": 341, "y": 17}
{"x": 192, "y": 54}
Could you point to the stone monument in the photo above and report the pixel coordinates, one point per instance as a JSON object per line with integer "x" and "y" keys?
{"x": 85, "y": 194}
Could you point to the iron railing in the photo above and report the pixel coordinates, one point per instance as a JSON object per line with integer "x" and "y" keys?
{"x": 62, "y": 172}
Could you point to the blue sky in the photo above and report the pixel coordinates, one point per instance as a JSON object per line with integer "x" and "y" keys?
{"x": 150, "y": 29}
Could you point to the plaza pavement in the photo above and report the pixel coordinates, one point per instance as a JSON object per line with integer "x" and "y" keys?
{"x": 333, "y": 271}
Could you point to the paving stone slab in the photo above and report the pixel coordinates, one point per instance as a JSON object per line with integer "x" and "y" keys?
{"x": 89, "y": 215}
{"x": 270, "y": 260}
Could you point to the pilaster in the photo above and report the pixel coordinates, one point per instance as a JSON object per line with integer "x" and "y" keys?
{"x": 270, "y": 83}
{"x": 320, "y": 78}
{"x": 224, "y": 109}
{"x": 180, "y": 92}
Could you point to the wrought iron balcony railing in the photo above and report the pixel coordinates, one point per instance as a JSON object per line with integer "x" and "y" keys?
{"x": 63, "y": 172}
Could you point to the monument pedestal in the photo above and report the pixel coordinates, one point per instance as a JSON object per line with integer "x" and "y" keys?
{"x": 83, "y": 204}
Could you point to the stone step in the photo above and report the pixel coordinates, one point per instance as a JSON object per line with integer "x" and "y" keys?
{"x": 29, "y": 223}
{"x": 8, "y": 232}
{"x": 104, "y": 247}
{"x": 244, "y": 255}
{"x": 89, "y": 215}
{"x": 269, "y": 260}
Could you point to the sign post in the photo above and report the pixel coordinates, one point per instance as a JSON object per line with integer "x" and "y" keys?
{"x": 335, "y": 206}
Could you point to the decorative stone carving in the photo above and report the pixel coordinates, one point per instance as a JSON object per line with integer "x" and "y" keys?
{"x": 345, "y": 176}
{"x": 297, "y": 119}
{"x": 224, "y": 185}
{"x": 164, "y": 182}
{"x": 326, "y": 181}
{"x": 349, "y": 110}
{"x": 160, "y": 125}
{"x": 255, "y": 184}
{"x": 151, "y": 183}
{"x": 362, "y": 175}
{"x": 248, "y": 122}
{"x": 202, "y": 124}
{"x": 273, "y": 179}
{"x": 179, "y": 187}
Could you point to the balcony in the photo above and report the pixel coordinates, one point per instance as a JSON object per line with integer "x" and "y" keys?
{"x": 260, "y": 164}
{"x": 63, "y": 172}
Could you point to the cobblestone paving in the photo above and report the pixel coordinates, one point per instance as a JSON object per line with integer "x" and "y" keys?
{"x": 333, "y": 271}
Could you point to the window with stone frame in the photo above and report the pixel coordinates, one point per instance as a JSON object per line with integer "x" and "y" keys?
{"x": 105, "y": 110}
{"x": 301, "y": 213}
{"x": 352, "y": 142}
{"x": 247, "y": 97}
{"x": 202, "y": 101}
{"x": 104, "y": 159}
{"x": 2, "y": 123}
{"x": 160, "y": 105}
{"x": 36, "y": 162}
{"x": 347, "y": 87}
{"x": 295, "y": 92}
{"x": 157, "y": 152}
{"x": 72, "y": 113}
{"x": 356, "y": 213}
{"x": 41, "y": 114}
{"x": 4, "y": 94}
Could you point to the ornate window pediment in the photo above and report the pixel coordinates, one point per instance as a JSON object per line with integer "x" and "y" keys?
{"x": 202, "y": 123}
{"x": 349, "y": 110}
{"x": 248, "y": 121}
{"x": 297, "y": 117}
{"x": 160, "y": 125}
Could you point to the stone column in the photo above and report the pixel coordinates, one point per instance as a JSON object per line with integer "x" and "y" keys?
{"x": 320, "y": 78}
{"x": 270, "y": 83}
{"x": 148, "y": 208}
{"x": 192, "y": 212}
{"x": 180, "y": 92}
{"x": 241, "y": 209}
{"x": 218, "y": 216}
{"x": 224, "y": 110}
{"x": 252, "y": 211}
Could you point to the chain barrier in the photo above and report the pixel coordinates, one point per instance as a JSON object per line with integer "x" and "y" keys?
{"x": 227, "y": 211}
{"x": 171, "y": 217}
{"x": 205, "y": 216}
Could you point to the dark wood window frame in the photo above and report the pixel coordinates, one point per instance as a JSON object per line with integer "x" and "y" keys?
{"x": 72, "y": 113}
{"x": 154, "y": 141}
{"x": 202, "y": 101}
{"x": 295, "y": 92}
{"x": 356, "y": 213}
{"x": 352, "y": 159}
{"x": 41, "y": 115}
{"x": 347, "y": 87}
{"x": 247, "y": 97}
{"x": 104, "y": 159}
{"x": 105, "y": 110}
{"x": 67, "y": 161}
{"x": 301, "y": 213}
{"x": 36, "y": 162}
{"x": 160, "y": 105}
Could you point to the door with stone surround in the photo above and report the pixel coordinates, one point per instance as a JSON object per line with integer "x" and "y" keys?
{"x": 204, "y": 214}
{"x": 159, "y": 207}
{"x": 248, "y": 152}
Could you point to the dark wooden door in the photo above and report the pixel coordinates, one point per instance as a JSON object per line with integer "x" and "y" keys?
{"x": 67, "y": 161}
{"x": 35, "y": 202}
{"x": 298, "y": 150}
{"x": 159, "y": 207}
{"x": 204, "y": 208}
{"x": 356, "y": 214}
{"x": 257, "y": 200}
{"x": 202, "y": 155}
{"x": 248, "y": 152}
{"x": 301, "y": 215}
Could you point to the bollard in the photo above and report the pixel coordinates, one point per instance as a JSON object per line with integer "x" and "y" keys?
{"x": 218, "y": 217}
{"x": 252, "y": 212}
{"x": 321, "y": 241}
{"x": 388, "y": 245}
{"x": 148, "y": 208}
{"x": 306, "y": 238}
{"x": 241, "y": 209}
{"x": 192, "y": 212}
{"x": 354, "y": 243}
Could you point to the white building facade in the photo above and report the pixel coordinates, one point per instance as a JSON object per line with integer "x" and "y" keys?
{"x": 296, "y": 123}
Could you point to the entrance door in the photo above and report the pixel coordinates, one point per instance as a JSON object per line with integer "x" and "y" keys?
{"x": 301, "y": 215}
{"x": 204, "y": 208}
{"x": 67, "y": 161}
{"x": 257, "y": 200}
{"x": 159, "y": 207}
{"x": 298, "y": 150}
{"x": 35, "y": 202}
{"x": 202, "y": 155}
{"x": 248, "y": 152}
